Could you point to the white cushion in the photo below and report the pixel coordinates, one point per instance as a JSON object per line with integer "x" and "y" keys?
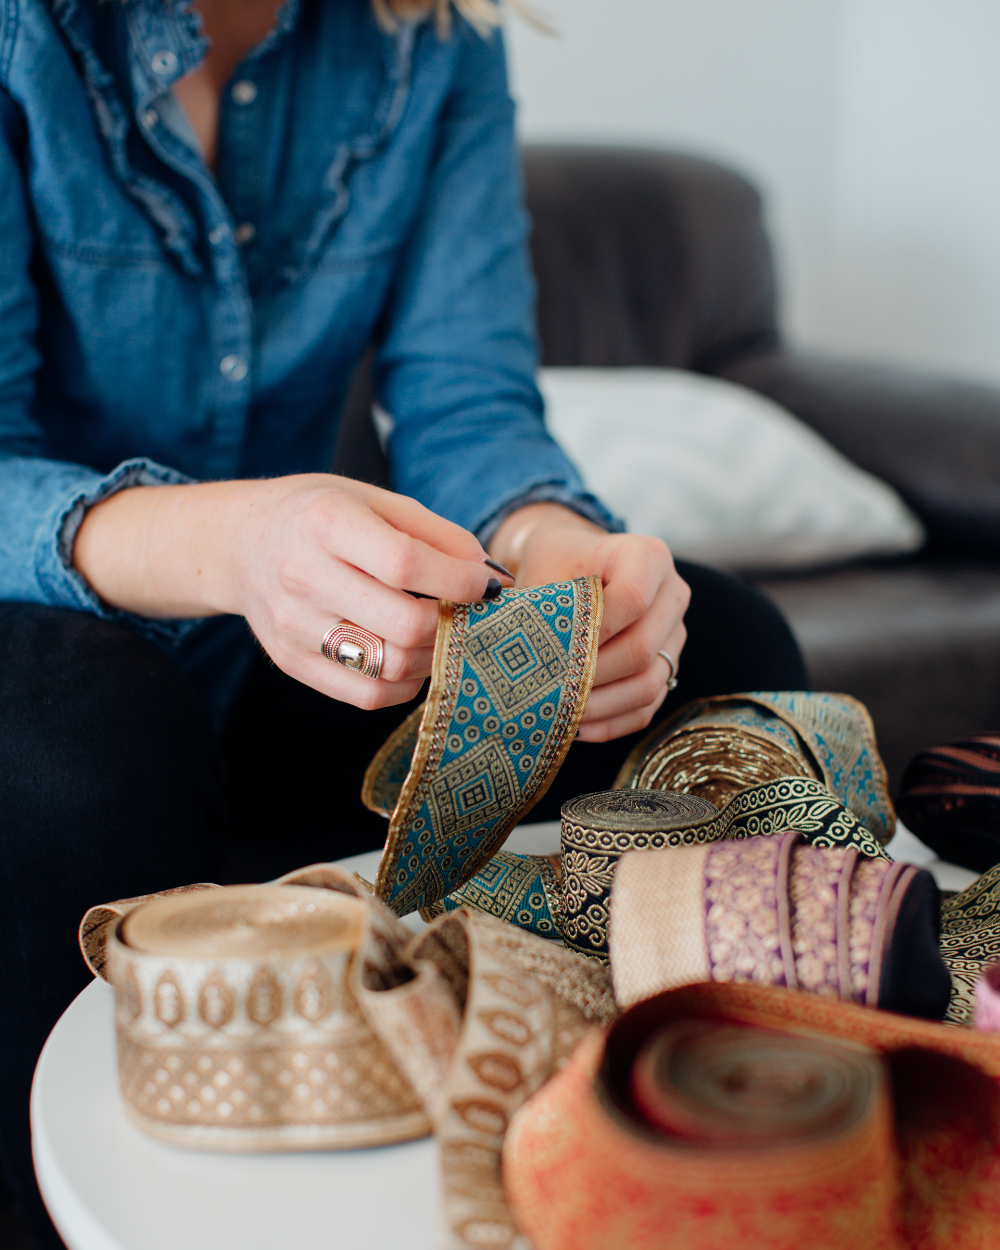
{"x": 723, "y": 475}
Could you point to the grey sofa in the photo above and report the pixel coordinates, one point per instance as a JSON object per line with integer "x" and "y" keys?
{"x": 650, "y": 258}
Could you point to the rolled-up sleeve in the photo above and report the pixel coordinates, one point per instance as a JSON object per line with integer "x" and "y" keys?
{"x": 43, "y": 501}
{"x": 456, "y": 370}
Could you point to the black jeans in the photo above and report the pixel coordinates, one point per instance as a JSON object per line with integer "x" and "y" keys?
{"x": 113, "y": 783}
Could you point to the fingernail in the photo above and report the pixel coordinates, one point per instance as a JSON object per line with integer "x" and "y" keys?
{"x": 499, "y": 567}
{"x": 493, "y": 589}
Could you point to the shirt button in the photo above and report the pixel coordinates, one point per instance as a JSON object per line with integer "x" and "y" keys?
{"x": 245, "y": 232}
{"x": 163, "y": 63}
{"x": 233, "y": 367}
{"x": 151, "y": 118}
{"x": 244, "y": 91}
{"x": 217, "y": 234}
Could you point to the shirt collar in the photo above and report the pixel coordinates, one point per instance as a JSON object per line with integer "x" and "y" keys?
{"x": 168, "y": 42}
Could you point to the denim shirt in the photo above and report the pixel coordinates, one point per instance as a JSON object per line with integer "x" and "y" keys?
{"x": 159, "y": 323}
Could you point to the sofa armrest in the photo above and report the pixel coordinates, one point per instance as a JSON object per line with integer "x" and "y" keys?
{"x": 936, "y": 440}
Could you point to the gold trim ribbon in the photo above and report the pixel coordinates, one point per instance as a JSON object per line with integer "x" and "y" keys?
{"x": 717, "y": 747}
{"x": 570, "y": 895}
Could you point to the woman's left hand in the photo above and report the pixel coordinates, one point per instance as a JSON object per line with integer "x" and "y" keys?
{"x": 644, "y": 605}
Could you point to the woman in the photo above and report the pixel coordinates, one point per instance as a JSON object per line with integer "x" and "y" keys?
{"x": 201, "y": 231}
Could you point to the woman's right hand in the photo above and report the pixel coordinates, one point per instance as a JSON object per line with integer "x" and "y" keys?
{"x": 295, "y": 556}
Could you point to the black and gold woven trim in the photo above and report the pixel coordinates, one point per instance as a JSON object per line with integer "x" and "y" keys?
{"x": 597, "y": 830}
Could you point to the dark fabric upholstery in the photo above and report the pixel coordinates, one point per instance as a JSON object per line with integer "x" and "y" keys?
{"x": 653, "y": 258}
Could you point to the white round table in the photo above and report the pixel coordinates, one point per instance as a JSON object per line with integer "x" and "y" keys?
{"x": 110, "y": 1187}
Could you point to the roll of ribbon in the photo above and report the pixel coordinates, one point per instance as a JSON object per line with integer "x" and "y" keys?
{"x": 284, "y": 1017}
{"x": 230, "y": 1007}
{"x": 597, "y": 830}
{"x": 718, "y": 747}
{"x": 771, "y": 911}
{"x": 717, "y": 1115}
{"x": 950, "y": 798}
{"x": 98, "y": 921}
{"x": 509, "y": 687}
{"x": 526, "y": 890}
{"x": 570, "y": 896}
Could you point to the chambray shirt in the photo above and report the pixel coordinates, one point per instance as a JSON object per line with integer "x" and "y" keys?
{"x": 161, "y": 324}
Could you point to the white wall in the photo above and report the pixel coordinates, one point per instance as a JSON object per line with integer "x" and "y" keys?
{"x": 872, "y": 126}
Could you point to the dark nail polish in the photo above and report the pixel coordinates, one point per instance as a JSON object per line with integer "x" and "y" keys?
{"x": 493, "y": 589}
{"x": 499, "y": 567}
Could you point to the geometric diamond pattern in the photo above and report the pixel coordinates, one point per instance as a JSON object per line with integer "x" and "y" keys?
{"x": 517, "y": 656}
{"x": 508, "y": 689}
{"x": 473, "y": 788}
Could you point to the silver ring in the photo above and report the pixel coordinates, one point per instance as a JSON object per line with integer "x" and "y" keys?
{"x": 671, "y": 680}
{"x": 355, "y": 648}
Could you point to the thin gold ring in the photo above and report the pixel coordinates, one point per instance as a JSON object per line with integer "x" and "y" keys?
{"x": 355, "y": 648}
{"x": 672, "y": 679}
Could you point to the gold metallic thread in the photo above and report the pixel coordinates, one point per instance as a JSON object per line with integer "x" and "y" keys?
{"x": 715, "y": 763}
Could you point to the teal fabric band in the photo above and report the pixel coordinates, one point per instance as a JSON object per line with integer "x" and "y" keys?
{"x": 509, "y": 687}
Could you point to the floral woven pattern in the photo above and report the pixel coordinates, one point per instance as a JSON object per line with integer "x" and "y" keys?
{"x": 510, "y": 683}
{"x": 747, "y": 932}
{"x": 819, "y": 895}
{"x": 771, "y": 911}
{"x": 597, "y": 830}
{"x": 590, "y": 855}
{"x": 796, "y": 803}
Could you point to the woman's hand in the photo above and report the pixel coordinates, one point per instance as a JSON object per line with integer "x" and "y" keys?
{"x": 295, "y": 556}
{"x": 644, "y": 605}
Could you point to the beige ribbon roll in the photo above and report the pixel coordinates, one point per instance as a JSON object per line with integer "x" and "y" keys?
{"x": 304, "y": 1015}
{"x": 97, "y": 923}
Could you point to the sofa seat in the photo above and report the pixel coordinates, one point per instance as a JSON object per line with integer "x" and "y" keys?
{"x": 917, "y": 641}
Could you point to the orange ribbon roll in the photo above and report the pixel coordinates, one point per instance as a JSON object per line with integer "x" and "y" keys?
{"x": 722, "y": 1116}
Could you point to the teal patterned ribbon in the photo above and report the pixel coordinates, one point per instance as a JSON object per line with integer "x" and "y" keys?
{"x": 510, "y": 684}
{"x": 525, "y": 890}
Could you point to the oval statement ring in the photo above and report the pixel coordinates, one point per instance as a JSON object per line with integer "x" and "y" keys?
{"x": 355, "y": 648}
{"x": 672, "y": 679}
